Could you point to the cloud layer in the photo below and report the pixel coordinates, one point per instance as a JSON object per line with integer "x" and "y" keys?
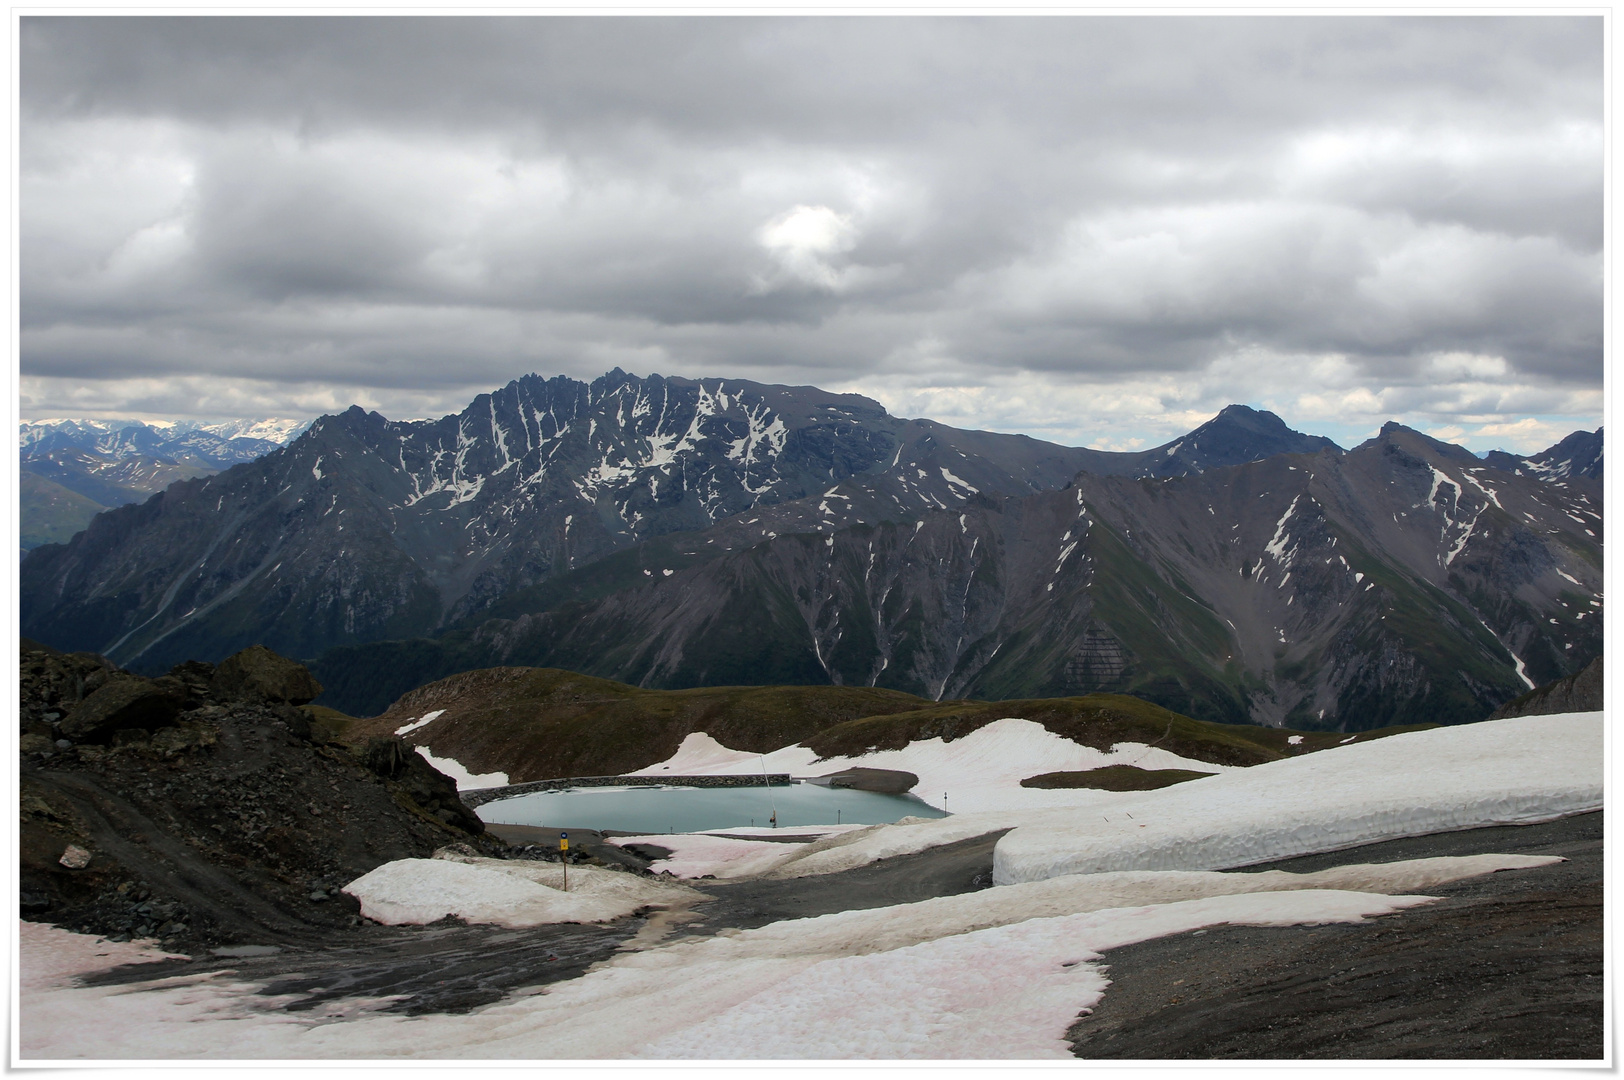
{"x": 1085, "y": 228}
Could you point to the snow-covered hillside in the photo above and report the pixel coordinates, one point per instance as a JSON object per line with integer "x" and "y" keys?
{"x": 1496, "y": 773}
{"x": 981, "y": 771}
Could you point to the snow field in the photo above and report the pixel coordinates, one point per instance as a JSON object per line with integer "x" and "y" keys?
{"x": 1006, "y": 992}
{"x": 1506, "y": 772}
{"x": 51, "y": 956}
{"x": 59, "y": 1020}
{"x": 507, "y": 893}
{"x": 981, "y": 771}
{"x": 1503, "y": 772}
{"x": 996, "y": 973}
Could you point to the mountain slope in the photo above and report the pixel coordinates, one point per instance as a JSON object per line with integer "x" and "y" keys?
{"x": 112, "y": 463}
{"x": 1580, "y": 454}
{"x": 1401, "y": 582}
{"x": 366, "y": 529}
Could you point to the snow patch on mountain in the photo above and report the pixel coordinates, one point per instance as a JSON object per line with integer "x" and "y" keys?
{"x": 981, "y": 771}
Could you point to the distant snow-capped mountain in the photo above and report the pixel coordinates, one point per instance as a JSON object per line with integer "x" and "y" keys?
{"x": 73, "y": 468}
{"x": 1580, "y": 454}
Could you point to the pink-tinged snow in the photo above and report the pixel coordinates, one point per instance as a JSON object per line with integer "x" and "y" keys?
{"x": 61, "y": 1021}
{"x": 696, "y": 855}
{"x": 701, "y": 755}
{"x": 514, "y": 893}
{"x": 1502, "y": 772}
{"x": 981, "y": 771}
{"x": 1006, "y": 992}
{"x": 996, "y": 973}
{"x": 52, "y": 956}
{"x": 465, "y": 780}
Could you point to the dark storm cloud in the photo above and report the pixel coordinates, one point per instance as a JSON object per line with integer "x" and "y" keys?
{"x": 399, "y": 203}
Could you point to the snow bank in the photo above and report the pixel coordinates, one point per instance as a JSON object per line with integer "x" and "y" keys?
{"x": 851, "y": 933}
{"x": 465, "y": 780}
{"x": 508, "y": 893}
{"x": 1515, "y": 771}
{"x": 981, "y": 771}
{"x": 1005, "y": 992}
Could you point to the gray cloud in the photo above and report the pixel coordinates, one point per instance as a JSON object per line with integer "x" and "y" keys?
{"x": 429, "y": 207}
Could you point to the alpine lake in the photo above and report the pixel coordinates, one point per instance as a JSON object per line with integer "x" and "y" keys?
{"x": 672, "y": 809}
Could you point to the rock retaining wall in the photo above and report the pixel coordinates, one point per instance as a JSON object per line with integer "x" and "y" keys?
{"x": 481, "y": 796}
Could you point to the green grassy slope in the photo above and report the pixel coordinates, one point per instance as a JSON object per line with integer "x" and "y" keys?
{"x": 48, "y": 513}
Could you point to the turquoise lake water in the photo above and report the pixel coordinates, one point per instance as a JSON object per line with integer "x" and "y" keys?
{"x": 690, "y": 809}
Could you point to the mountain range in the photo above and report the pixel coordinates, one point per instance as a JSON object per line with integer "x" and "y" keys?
{"x": 673, "y": 533}
{"x": 71, "y": 470}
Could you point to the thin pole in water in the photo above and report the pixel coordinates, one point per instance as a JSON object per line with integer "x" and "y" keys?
{"x": 771, "y": 801}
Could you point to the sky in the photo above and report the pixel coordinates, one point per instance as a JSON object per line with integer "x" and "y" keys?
{"x": 1093, "y": 230}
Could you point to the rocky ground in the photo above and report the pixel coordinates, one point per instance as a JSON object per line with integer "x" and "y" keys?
{"x": 205, "y": 808}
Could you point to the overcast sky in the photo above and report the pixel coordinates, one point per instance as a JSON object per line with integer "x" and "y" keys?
{"x": 1093, "y": 230}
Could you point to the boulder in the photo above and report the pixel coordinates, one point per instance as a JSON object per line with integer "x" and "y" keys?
{"x": 122, "y": 701}
{"x": 258, "y": 674}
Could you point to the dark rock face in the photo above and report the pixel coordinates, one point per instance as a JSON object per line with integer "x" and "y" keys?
{"x": 258, "y": 674}
{"x": 673, "y": 533}
{"x": 1580, "y": 692}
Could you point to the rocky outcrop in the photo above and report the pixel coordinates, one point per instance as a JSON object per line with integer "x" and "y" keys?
{"x": 123, "y": 702}
{"x": 258, "y": 674}
{"x": 427, "y": 787}
{"x": 1579, "y": 692}
{"x": 158, "y": 807}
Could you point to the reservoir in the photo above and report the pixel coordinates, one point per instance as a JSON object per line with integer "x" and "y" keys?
{"x": 690, "y": 809}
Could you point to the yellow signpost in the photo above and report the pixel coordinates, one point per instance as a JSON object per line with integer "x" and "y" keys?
{"x": 564, "y": 850}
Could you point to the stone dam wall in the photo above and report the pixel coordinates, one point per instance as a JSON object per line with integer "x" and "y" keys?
{"x": 481, "y": 796}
